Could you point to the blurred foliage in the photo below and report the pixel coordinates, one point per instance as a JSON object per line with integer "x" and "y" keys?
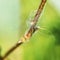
{"x": 45, "y": 43}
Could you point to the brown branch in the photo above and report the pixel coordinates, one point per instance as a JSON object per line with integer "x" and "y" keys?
{"x": 0, "y": 53}
{"x": 32, "y": 29}
{"x": 12, "y": 49}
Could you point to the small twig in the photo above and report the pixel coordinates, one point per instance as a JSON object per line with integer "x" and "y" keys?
{"x": 1, "y": 58}
{"x": 12, "y": 49}
{"x": 0, "y": 51}
{"x": 32, "y": 29}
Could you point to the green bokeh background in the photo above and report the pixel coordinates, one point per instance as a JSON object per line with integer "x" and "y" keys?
{"x": 44, "y": 44}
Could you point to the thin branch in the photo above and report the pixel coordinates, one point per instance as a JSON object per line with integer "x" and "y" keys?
{"x": 32, "y": 29}
{"x": 0, "y": 53}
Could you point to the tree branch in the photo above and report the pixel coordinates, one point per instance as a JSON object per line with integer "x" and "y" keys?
{"x": 32, "y": 29}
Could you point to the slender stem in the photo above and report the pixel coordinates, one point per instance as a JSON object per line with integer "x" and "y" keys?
{"x": 0, "y": 51}
{"x": 1, "y": 58}
{"x": 30, "y": 31}
{"x": 39, "y": 11}
{"x": 12, "y": 49}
